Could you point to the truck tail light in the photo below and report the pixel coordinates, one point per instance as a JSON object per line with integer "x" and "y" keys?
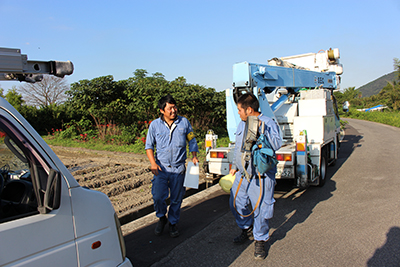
{"x": 284, "y": 157}
{"x": 217, "y": 155}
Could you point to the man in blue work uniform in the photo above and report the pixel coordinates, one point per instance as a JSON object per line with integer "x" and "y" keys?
{"x": 169, "y": 134}
{"x": 249, "y": 192}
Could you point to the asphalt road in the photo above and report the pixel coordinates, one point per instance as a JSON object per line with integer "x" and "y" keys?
{"x": 353, "y": 220}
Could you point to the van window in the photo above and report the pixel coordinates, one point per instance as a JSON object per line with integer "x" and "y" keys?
{"x": 23, "y": 175}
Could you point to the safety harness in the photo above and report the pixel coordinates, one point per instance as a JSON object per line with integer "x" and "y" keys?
{"x": 263, "y": 155}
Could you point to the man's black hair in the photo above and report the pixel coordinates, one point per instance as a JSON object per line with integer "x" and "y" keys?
{"x": 164, "y": 100}
{"x": 248, "y": 100}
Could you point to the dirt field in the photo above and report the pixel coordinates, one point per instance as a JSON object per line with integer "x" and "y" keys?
{"x": 124, "y": 177}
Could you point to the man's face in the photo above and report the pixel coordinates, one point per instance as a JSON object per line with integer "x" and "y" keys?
{"x": 170, "y": 112}
{"x": 242, "y": 112}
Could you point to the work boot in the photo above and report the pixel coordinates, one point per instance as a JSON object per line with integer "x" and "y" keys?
{"x": 160, "y": 225}
{"x": 246, "y": 233}
{"x": 173, "y": 230}
{"x": 259, "y": 250}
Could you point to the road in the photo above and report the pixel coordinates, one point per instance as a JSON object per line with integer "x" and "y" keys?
{"x": 354, "y": 220}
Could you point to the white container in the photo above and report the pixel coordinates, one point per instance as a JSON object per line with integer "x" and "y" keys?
{"x": 192, "y": 176}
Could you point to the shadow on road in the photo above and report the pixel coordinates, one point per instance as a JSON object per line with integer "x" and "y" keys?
{"x": 295, "y": 207}
{"x": 144, "y": 248}
{"x": 389, "y": 253}
{"x": 209, "y": 226}
{"x": 350, "y": 142}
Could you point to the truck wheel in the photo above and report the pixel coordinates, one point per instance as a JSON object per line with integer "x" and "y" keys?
{"x": 323, "y": 166}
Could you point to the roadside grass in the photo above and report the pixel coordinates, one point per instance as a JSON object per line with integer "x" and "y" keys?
{"x": 136, "y": 148}
{"x": 386, "y": 117}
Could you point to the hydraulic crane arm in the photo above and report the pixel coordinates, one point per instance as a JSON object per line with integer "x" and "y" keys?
{"x": 16, "y": 66}
{"x": 267, "y": 78}
{"x": 261, "y": 80}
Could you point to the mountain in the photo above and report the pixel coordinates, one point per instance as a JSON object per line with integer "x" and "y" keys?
{"x": 374, "y": 87}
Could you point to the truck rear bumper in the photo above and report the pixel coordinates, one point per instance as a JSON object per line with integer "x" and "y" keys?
{"x": 220, "y": 168}
{"x": 285, "y": 172}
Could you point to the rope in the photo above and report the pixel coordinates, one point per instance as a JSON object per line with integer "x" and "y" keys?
{"x": 258, "y": 201}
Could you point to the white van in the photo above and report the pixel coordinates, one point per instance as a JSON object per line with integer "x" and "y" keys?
{"x": 46, "y": 218}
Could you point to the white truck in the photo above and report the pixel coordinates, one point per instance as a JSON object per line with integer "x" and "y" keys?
{"x": 46, "y": 218}
{"x": 297, "y": 92}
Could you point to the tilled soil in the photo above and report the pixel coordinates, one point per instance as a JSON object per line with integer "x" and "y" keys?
{"x": 124, "y": 177}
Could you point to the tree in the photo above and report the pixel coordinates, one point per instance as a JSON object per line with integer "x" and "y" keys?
{"x": 396, "y": 65}
{"x": 50, "y": 91}
{"x": 101, "y": 98}
{"x": 14, "y": 98}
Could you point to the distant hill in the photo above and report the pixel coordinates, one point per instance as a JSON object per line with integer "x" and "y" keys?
{"x": 376, "y": 86}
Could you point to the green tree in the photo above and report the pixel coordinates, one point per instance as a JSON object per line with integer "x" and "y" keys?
{"x": 15, "y": 99}
{"x": 100, "y": 98}
{"x": 390, "y": 95}
{"x": 350, "y": 94}
{"x": 142, "y": 93}
{"x": 129, "y": 103}
{"x": 396, "y": 65}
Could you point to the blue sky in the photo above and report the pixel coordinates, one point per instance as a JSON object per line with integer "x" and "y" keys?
{"x": 201, "y": 40}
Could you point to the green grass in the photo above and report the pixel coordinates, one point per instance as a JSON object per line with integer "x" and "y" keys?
{"x": 387, "y": 117}
{"x": 136, "y": 148}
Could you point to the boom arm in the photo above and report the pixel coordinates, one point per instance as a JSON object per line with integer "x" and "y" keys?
{"x": 268, "y": 77}
{"x": 263, "y": 79}
{"x": 15, "y": 66}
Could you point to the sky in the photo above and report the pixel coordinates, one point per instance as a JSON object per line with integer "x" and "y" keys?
{"x": 201, "y": 40}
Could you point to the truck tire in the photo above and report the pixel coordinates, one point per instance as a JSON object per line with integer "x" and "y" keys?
{"x": 323, "y": 167}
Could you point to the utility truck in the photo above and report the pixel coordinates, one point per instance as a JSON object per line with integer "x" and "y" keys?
{"x": 296, "y": 92}
{"x": 46, "y": 218}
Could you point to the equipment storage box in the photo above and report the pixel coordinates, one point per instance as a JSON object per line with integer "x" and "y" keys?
{"x": 319, "y": 128}
{"x": 315, "y": 102}
{"x": 315, "y": 94}
{"x": 313, "y": 107}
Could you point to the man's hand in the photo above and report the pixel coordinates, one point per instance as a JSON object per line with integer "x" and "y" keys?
{"x": 232, "y": 171}
{"x": 195, "y": 160}
{"x": 154, "y": 168}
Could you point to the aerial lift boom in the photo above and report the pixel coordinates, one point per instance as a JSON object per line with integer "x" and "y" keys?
{"x": 16, "y": 66}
